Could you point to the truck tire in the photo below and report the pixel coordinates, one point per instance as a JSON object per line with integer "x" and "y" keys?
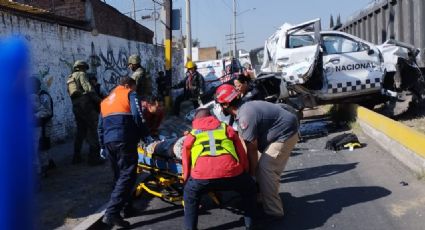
{"x": 400, "y": 105}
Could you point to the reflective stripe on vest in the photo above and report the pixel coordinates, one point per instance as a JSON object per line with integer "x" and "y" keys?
{"x": 212, "y": 143}
{"x": 117, "y": 103}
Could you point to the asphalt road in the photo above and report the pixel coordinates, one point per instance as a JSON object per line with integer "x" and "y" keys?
{"x": 362, "y": 189}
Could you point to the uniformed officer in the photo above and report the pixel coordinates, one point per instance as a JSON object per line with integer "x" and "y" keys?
{"x": 268, "y": 130}
{"x": 120, "y": 128}
{"x": 143, "y": 81}
{"x": 84, "y": 102}
{"x": 214, "y": 159}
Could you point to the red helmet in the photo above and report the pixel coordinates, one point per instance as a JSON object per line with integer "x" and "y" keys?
{"x": 225, "y": 93}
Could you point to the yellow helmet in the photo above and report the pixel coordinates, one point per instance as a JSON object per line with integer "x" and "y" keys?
{"x": 190, "y": 65}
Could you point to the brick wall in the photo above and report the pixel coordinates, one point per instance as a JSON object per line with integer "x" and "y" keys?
{"x": 54, "y": 48}
{"x": 68, "y": 8}
{"x": 109, "y": 20}
{"x": 102, "y": 17}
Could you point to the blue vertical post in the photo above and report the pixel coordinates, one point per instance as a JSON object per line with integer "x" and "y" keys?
{"x": 16, "y": 132}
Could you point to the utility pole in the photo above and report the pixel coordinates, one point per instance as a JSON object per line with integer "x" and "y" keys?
{"x": 234, "y": 38}
{"x": 235, "y": 54}
{"x": 168, "y": 6}
{"x": 188, "y": 32}
{"x": 155, "y": 15}
{"x": 134, "y": 10}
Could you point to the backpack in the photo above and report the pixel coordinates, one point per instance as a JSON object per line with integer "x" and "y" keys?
{"x": 73, "y": 86}
{"x": 43, "y": 92}
{"x": 340, "y": 142}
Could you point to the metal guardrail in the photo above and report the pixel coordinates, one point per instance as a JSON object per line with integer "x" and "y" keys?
{"x": 402, "y": 20}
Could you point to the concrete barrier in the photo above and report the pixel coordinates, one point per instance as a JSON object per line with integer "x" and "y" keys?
{"x": 404, "y": 143}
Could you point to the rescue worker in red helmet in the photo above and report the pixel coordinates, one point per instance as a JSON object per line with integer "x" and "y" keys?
{"x": 270, "y": 133}
{"x": 214, "y": 159}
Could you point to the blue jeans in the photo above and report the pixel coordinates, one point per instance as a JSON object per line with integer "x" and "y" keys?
{"x": 195, "y": 188}
{"x": 123, "y": 158}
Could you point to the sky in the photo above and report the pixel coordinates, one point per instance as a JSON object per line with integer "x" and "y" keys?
{"x": 213, "y": 19}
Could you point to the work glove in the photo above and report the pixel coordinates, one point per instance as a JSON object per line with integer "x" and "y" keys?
{"x": 102, "y": 154}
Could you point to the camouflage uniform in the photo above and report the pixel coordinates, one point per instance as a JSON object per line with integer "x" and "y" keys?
{"x": 143, "y": 81}
{"x": 84, "y": 103}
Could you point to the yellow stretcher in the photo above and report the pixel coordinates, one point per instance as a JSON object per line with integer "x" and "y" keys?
{"x": 165, "y": 179}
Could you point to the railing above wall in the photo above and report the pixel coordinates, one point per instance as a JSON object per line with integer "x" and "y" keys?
{"x": 403, "y": 20}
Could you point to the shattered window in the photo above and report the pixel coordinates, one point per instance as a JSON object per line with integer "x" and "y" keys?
{"x": 296, "y": 41}
{"x": 260, "y": 56}
{"x": 338, "y": 44}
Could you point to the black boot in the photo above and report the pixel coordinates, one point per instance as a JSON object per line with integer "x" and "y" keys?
{"x": 115, "y": 220}
{"x": 51, "y": 165}
{"x": 130, "y": 211}
{"x": 76, "y": 159}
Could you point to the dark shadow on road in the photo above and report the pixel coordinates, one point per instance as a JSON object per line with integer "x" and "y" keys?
{"x": 164, "y": 218}
{"x": 313, "y": 211}
{"x": 231, "y": 225}
{"x": 315, "y": 172}
{"x": 161, "y": 210}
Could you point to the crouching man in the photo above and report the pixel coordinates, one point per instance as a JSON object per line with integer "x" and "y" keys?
{"x": 270, "y": 134}
{"x": 120, "y": 128}
{"x": 214, "y": 159}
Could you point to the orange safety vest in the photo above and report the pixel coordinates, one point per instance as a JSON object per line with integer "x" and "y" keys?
{"x": 117, "y": 103}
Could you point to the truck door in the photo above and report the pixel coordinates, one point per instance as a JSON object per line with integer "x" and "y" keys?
{"x": 301, "y": 49}
{"x": 351, "y": 67}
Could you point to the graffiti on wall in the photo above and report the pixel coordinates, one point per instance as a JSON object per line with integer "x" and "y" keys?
{"x": 108, "y": 68}
{"x": 55, "y": 48}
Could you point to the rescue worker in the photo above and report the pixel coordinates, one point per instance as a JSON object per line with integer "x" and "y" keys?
{"x": 193, "y": 85}
{"x": 270, "y": 133}
{"x": 163, "y": 84}
{"x": 120, "y": 128}
{"x": 97, "y": 87}
{"x": 143, "y": 81}
{"x": 153, "y": 114}
{"x": 214, "y": 159}
{"x": 246, "y": 88}
{"x": 41, "y": 113}
{"x": 248, "y": 71}
{"x": 84, "y": 103}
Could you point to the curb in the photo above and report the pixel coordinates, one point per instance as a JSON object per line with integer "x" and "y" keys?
{"x": 403, "y": 142}
{"x": 91, "y": 220}
{"x": 94, "y": 220}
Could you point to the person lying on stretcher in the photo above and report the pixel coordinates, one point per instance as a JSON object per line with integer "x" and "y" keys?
{"x": 168, "y": 148}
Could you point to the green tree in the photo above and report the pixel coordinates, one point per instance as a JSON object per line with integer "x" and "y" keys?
{"x": 338, "y": 20}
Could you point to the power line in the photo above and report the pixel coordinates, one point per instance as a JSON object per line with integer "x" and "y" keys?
{"x": 230, "y": 8}
{"x": 144, "y": 9}
{"x": 155, "y": 1}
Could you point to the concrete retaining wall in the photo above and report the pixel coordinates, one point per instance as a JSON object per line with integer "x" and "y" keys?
{"x": 404, "y": 143}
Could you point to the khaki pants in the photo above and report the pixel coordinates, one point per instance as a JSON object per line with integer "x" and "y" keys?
{"x": 270, "y": 166}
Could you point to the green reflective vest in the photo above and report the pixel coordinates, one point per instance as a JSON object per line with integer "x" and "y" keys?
{"x": 212, "y": 143}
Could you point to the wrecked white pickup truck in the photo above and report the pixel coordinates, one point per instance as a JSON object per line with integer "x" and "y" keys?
{"x": 304, "y": 67}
